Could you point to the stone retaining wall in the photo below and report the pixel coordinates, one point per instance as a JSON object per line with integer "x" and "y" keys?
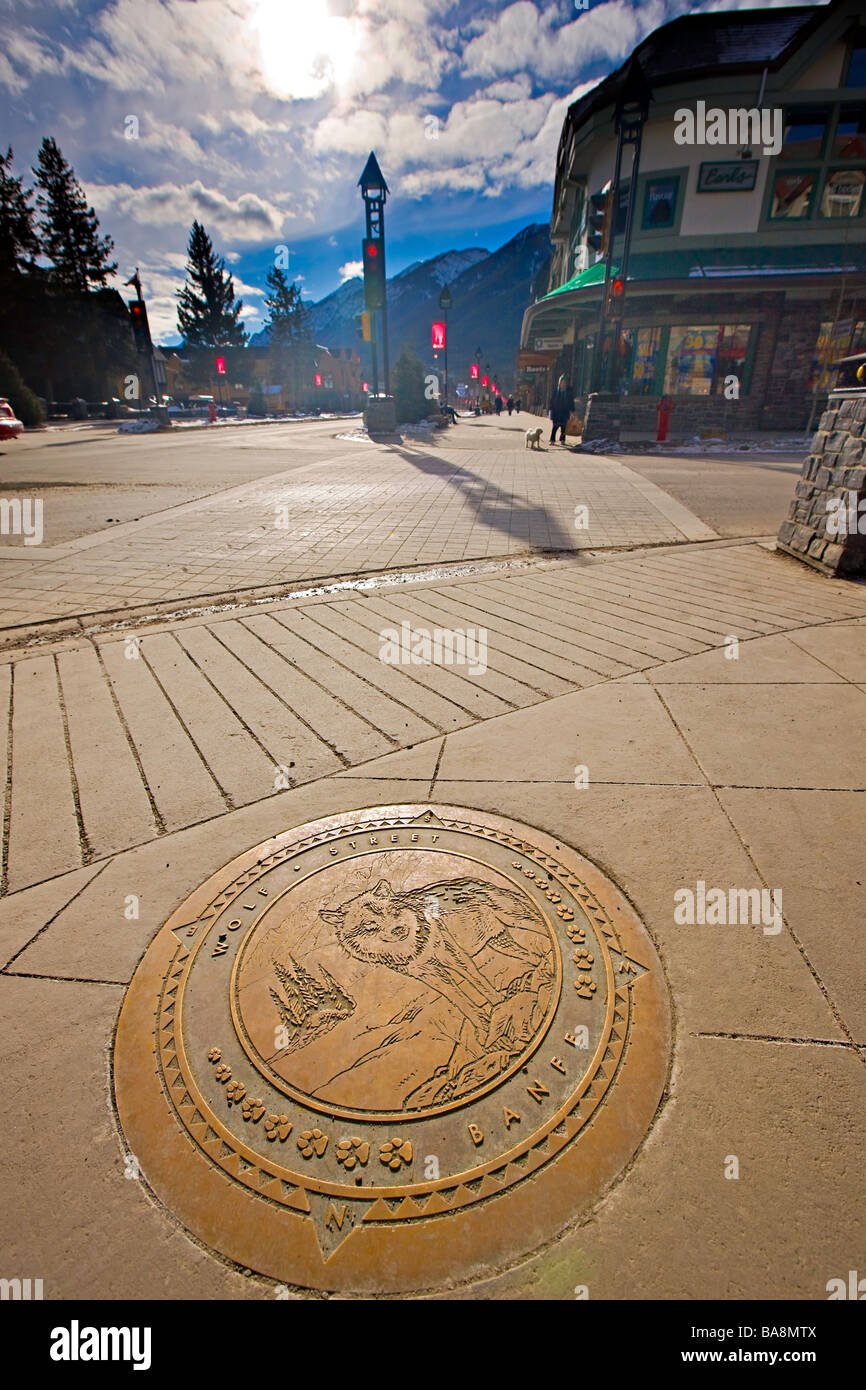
{"x": 824, "y": 519}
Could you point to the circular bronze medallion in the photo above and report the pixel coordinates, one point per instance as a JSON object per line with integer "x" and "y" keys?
{"x": 392, "y": 1048}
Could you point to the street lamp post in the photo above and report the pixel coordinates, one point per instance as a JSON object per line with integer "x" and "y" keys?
{"x": 445, "y": 302}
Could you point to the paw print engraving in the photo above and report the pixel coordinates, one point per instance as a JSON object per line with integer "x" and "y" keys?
{"x": 585, "y": 986}
{"x": 312, "y": 1141}
{"x": 223, "y": 1073}
{"x": 565, "y": 913}
{"x": 351, "y": 1152}
{"x": 235, "y": 1091}
{"x": 396, "y": 1152}
{"x": 583, "y": 958}
{"x": 253, "y": 1109}
{"x": 277, "y": 1127}
{"x": 214, "y": 1054}
{"x": 575, "y": 933}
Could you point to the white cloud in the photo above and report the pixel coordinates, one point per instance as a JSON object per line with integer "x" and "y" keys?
{"x": 248, "y": 217}
{"x": 521, "y": 36}
{"x": 350, "y": 271}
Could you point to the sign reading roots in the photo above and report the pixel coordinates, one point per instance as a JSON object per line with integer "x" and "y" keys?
{"x": 392, "y": 1049}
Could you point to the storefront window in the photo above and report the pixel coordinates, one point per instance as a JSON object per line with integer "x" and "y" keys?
{"x": 700, "y": 358}
{"x": 857, "y": 68}
{"x": 833, "y": 342}
{"x": 804, "y": 132}
{"x": 792, "y": 195}
{"x": 644, "y": 345}
{"x": 842, "y": 194}
{"x": 660, "y": 203}
{"x": 849, "y": 142}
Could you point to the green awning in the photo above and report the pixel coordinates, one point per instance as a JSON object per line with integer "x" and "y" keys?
{"x": 593, "y": 276}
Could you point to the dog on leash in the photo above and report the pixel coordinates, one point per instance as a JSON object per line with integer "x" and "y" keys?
{"x": 533, "y": 438}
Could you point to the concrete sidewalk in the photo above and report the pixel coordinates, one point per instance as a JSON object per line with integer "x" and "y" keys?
{"x": 700, "y": 758}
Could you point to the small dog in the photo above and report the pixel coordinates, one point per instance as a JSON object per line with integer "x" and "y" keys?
{"x": 533, "y": 438}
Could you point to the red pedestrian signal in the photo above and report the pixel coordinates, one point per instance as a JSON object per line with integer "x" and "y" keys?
{"x": 473, "y": 372}
{"x": 438, "y": 335}
{"x": 138, "y": 321}
{"x": 221, "y": 366}
{"x": 318, "y": 378}
{"x": 616, "y": 299}
{"x": 374, "y": 273}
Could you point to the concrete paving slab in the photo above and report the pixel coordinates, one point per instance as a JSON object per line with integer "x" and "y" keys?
{"x": 620, "y": 732}
{"x": 811, "y": 844}
{"x": 71, "y": 1216}
{"x": 775, "y": 736}
{"x": 25, "y": 914}
{"x": 841, "y": 647}
{"x": 758, "y": 661}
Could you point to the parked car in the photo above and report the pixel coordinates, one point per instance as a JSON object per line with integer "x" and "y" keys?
{"x": 10, "y": 426}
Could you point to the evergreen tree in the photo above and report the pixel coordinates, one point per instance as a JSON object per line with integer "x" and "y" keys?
{"x": 18, "y": 240}
{"x": 70, "y": 229}
{"x": 290, "y": 334}
{"x": 288, "y": 322}
{"x": 207, "y": 313}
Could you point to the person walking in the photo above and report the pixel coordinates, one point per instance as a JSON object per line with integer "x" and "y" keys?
{"x": 561, "y": 406}
{"x": 498, "y": 405}
{"x": 510, "y": 404}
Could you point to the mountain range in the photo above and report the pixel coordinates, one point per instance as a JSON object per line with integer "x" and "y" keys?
{"x": 489, "y": 289}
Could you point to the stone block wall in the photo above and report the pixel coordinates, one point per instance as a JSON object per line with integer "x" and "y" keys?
{"x": 831, "y": 488}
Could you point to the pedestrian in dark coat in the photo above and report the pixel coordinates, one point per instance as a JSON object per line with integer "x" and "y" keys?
{"x": 561, "y": 406}
{"x": 510, "y": 404}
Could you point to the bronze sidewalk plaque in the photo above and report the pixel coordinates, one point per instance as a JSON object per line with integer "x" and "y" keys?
{"x": 392, "y": 1048}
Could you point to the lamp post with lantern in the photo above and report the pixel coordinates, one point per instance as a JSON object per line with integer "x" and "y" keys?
{"x": 445, "y": 303}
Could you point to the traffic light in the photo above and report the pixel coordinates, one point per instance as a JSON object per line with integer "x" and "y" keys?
{"x": 615, "y": 299}
{"x": 221, "y": 366}
{"x": 374, "y": 272}
{"x": 473, "y": 372}
{"x": 140, "y": 329}
{"x": 598, "y": 235}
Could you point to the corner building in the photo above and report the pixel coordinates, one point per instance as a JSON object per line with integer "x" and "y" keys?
{"x": 742, "y": 264}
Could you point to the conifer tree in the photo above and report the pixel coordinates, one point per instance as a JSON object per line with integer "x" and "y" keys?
{"x": 18, "y": 240}
{"x": 290, "y": 332}
{"x": 69, "y": 228}
{"x": 207, "y": 313}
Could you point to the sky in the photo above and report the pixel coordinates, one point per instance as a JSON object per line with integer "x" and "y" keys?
{"x": 257, "y": 116}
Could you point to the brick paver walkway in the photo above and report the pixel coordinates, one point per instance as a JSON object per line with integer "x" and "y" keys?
{"x": 355, "y": 507}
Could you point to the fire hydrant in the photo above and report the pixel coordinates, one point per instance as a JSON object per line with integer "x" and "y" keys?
{"x": 666, "y": 405}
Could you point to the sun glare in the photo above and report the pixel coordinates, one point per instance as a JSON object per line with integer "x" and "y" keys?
{"x": 304, "y": 49}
